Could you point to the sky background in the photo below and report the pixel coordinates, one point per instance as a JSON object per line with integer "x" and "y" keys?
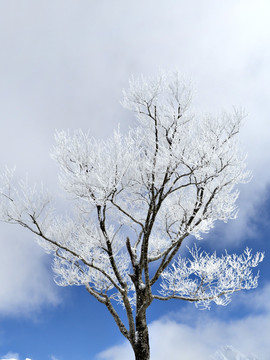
{"x": 64, "y": 64}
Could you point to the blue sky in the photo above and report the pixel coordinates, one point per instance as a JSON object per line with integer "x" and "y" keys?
{"x": 64, "y": 64}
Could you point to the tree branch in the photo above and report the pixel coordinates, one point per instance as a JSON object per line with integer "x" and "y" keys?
{"x": 126, "y": 213}
{"x": 104, "y": 299}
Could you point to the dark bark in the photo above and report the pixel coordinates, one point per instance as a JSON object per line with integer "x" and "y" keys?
{"x": 141, "y": 346}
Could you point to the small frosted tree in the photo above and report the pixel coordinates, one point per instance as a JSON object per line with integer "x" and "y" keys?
{"x": 136, "y": 198}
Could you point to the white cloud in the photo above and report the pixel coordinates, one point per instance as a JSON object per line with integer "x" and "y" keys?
{"x": 12, "y": 356}
{"x": 198, "y": 335}
{"x": 229, "y": 353}
{"x": 26, "y": 284}
{"x": 9, "y": 358}
{"x": 69, "y": 77}
{"x": 54, "y": 357}
{"x": 15, "y": 356}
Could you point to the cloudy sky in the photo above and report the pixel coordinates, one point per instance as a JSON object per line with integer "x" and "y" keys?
{"x": 64, "y": 64}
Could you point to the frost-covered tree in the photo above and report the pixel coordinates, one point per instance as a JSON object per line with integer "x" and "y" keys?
{"x": 229, "y": 353}
{"x": 136, "y": 198}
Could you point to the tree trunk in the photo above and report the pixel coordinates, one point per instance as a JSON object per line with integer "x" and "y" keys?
{"x": 140, "y": 343}
{"x": 141, "y": 346}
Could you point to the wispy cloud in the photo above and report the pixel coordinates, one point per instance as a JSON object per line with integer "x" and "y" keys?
{"x": 12, "y": 356}
{"x": 15, "y": 356}
{"x": 26, "y": 284}
{"x": 54, "y": 357}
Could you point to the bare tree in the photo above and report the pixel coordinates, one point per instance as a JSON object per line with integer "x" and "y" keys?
{"x": 136, "y": 198}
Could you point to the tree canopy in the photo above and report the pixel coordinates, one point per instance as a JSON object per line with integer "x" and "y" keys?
{"x": 135, "y": 198}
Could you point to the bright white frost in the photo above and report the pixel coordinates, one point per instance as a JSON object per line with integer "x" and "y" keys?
{"x": 92, "y": 169}
{"x": 210, "y": 278}
{"x": 136, "y": 197}
{"x": 25, "y": 203}
{"x": 229, "y": 353}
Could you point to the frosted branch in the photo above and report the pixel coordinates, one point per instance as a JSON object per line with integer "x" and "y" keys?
{"x": 205, "y": 278}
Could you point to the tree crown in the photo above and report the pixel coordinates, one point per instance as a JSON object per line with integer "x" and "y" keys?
{"x": 137, "y": 197}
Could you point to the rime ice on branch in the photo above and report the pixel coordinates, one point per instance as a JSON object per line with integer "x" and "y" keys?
{"x": 135, "y": 198}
